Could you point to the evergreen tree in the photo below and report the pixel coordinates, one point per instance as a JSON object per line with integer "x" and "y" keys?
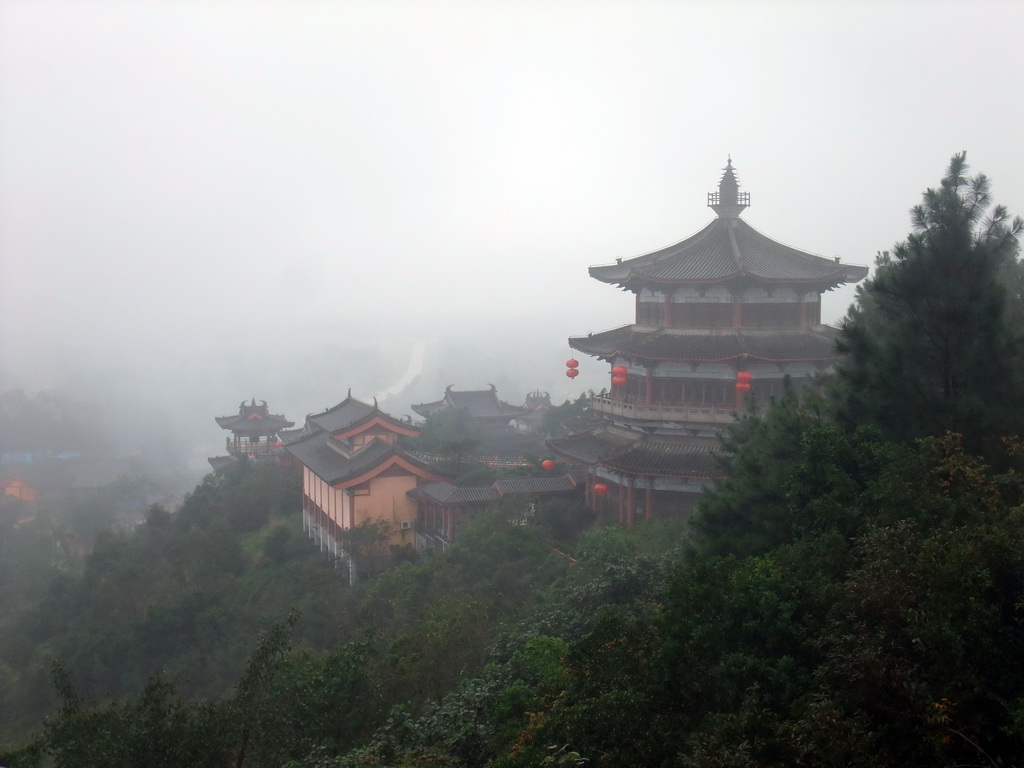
{"x": 935, "y": 341}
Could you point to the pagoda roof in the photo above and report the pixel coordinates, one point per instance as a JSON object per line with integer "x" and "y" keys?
{"x": 480, "y": 403}
{"x": 642, "y": 454}
{"x": 253, "y": 418}
{"x": 336, "y": 463}
{"x": 719, "y": 345}
{"x": 726, "y": 250}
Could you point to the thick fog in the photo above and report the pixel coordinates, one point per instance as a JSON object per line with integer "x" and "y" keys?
{"x": 202, "y": 202}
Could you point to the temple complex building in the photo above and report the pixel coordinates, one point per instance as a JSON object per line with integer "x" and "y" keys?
{"x": 725, "y": 315}
{"x": 445, "y": 509}
{"x": 354, "y": 470}
{"x": 482, "y": 405}
{"x": 254, "y": 433}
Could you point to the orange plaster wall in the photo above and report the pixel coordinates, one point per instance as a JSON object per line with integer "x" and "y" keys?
{"x": 388, "y": 501}
{"x": 332, "y": 501}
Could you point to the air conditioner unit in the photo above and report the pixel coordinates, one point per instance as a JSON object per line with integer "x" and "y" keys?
{"x": 406, "y": 525}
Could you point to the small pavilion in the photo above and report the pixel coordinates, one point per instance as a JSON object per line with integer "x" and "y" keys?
{"x": 254, "y": 430}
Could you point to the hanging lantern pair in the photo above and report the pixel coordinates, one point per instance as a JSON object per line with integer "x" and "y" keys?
{"x": 572, "y": 367}
{"x": 743, "y": 381}
{"x": 619, "y": 376}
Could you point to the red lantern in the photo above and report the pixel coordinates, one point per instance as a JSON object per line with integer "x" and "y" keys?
{"x": 600, "y": 488}
{"x": 742, "y": 386}
{"x": 548, "y": 464}
{"x": 619, "y": 370}
{"x": 743, "y": 376}
{"x": 619, "y": 381}
{"x": 572, "y": 362}
{"x": 572, "y": 373}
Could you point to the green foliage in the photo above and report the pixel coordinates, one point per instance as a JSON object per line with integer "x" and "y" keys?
{"x": 750, "y": 510}
{"x": 563, "y": 520}
{"x": 155, "y": 729}
{"x": 451, "y": 432}
{"x": 561, "y": 420}
{"x": 934, "y": 341}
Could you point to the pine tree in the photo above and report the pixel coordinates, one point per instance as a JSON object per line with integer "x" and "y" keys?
{"x": 935, "y": 340}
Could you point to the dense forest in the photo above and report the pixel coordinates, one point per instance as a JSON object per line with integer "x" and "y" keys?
{"x": 851, "y": 595}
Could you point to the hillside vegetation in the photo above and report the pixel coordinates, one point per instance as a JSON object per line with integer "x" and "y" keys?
{"x": 851, "y": 595}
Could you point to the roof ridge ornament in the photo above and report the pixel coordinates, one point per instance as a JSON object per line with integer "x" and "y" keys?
{"x": 728, "y": 202}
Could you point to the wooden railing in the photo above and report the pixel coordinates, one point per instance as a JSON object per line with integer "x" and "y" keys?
{"x": 245, "y": 449}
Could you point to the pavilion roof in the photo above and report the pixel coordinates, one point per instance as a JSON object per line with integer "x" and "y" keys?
{"x": 640, "y": 454}
{"x": 253, "y": 418}
{"x": 727, "y": 249}
{"x": 772, "y": 345}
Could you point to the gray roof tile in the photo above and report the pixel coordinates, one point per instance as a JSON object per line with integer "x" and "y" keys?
{"x": 687, "y": 457}
{"x": 725, "y": 249}
{"x": 776, "y": 345}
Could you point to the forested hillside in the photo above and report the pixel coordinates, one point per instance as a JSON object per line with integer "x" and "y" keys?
{"x": 851, "y": 595}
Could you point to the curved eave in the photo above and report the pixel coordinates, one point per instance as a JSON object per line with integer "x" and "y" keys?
{"x": 727, "y": 250}
{"x": 686, "y": 459}
{"x": 635, "y": 283}
{"x": 658, "y": 346}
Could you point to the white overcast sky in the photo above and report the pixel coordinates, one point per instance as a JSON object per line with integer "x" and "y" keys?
{"x": 174, "y": 172}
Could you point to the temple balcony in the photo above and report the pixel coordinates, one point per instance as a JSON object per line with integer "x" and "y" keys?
{"x": 682, "y": 413}
{"x": 243, "y": 448}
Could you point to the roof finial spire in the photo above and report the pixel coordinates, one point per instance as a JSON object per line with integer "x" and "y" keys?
{"x": 728, "y": 201}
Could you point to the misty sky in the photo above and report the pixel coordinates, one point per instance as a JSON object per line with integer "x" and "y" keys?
{"x": 175, "y": 176}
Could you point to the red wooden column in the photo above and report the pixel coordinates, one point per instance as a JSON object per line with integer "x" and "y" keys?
{"x": 649, "y": 392}
{"x": 737, "y": 312}
{"x": 666, "y": 312}
{"x": 649, "y": 499}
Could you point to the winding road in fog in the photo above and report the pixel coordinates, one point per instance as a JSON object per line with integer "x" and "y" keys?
{"x": 412, "y": 371}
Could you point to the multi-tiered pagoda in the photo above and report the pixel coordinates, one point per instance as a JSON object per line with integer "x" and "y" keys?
{"x": 723, "y": 315}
